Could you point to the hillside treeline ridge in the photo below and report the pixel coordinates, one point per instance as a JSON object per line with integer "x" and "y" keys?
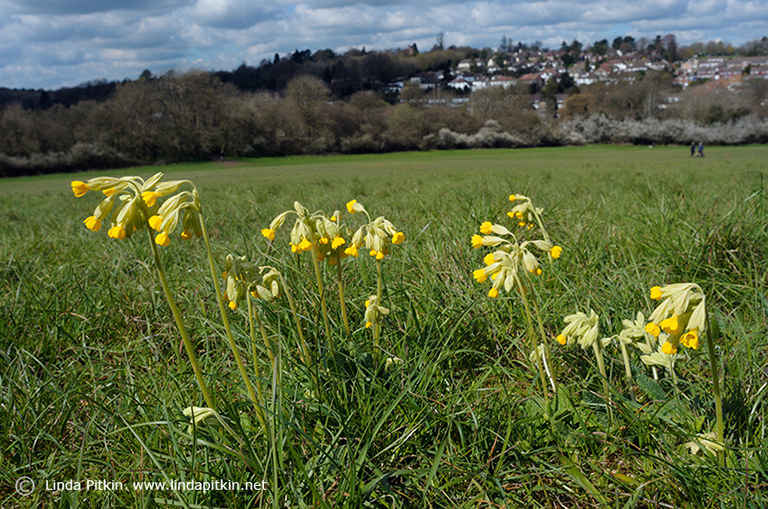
{"x": 202, "y": 115}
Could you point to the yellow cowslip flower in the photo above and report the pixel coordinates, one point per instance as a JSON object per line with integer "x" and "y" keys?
{"x": 555, "y": 252}
{"x": 477, "y": 241}
{"x": 489, "y": 259}
{"x": 653, "y": 329}
{"x": 79, "y": 188}
{"x": 656, "y": 293}
{"x": 538, "y": 271}
{"x": 521, "y": 224}
{"x": 351, "y": 206}
{"x": 186, "y": 235}
{"x": 337, "y": 242}
{"x": 493, "y": 293}
{"x": 155, "y": 222}
{"x": 562, "y": 339}
{"x": 690, "y": 339}
{"x": 372, "y": 252}
{"x": 323, "y": 241}
{"x": 232, "y": 305}
{"x": 109, "y": 192}
{"x": 162, "y": 239}
{"x": 668, "y": 348}
{"x": 485, "y": 228}
{"x": 398, "y": 238}
{"x": 352, "y": 251}
{"x": 92, "y": 224}
{"x": 368, "y": 325}
{"x": 150, "y": 197}
{"x": 304, "y": 245}
{"x": 269, "y": 234}
{"x": 670, "y": 325}
{"x": 117, "y": 232}
{"x": 480, "y": 275}
{"x": 512, "y": 198}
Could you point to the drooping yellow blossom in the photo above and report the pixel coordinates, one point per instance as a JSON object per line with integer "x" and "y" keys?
{"x": 352, "y": 251}
{"x": 480, "y": 275}
{"x": 398, "y": 238}
{"x": 269, "y": 234}
{"x": 150, "y": 197}
{"x": 117, "y": 232}
{"x": 493, "y": 293}
{"x": 351, "y": 206}
{"x": 92, "y": 224}
{"x": 155, "y": 222}
{"x": 668, "y": 348}
{"x": 485, "y": 228}
{"x": 186, "y": 235}
{"x": 109, "y": 192}
{"x": 656, "y": 293}
{"x": 79, "y": 188}
{"x": 338, "y": 242}
{"x": 562, "y": 339}
{"x": 555, "y": 252}
{"x": 670, "y": 325}
{"x": 304, "y": 245}
{"x": 477, "y": 241}
{"x": 690, "y": 339}
{"x": 162, "y": 239}
{"x": 653, "y": 329}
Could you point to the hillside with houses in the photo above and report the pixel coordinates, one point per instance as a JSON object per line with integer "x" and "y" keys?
{"x": 627, "y": 91}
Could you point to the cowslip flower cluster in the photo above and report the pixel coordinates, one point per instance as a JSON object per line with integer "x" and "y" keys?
{"x": 504, "y": 264}
{"x": 581, "y": 329}
{"x": 681, "y": 315}
{"x": 242, "y": 277}
{"x": 132, "y": 203}
{"x": 318, "y": 230}
{"x": 376, "y": 236}
{"x": 526, "y": 215}
{"x": 374, "y": 312}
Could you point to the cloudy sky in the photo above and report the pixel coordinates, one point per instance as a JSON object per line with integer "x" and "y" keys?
{"x": 55, "y": 43}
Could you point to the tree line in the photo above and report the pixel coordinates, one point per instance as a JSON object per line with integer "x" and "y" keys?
{"x": 318, "y": 105}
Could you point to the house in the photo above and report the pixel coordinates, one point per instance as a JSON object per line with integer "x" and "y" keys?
{"x": 459, "y": 83}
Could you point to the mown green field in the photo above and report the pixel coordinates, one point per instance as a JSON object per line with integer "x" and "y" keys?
{"x": 94, "y": 378}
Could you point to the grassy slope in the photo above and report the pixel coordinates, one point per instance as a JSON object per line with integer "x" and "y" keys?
{"x": 87, "y": 340}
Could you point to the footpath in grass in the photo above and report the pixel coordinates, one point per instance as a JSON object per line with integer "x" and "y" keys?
{"x": 418, "y": 385}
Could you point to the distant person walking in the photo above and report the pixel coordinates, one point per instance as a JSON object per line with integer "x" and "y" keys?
{"x": 701, "y": 149}
{"x": 693, "y": 148}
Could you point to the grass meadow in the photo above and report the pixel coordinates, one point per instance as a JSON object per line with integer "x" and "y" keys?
{"x": 94, "y": 379}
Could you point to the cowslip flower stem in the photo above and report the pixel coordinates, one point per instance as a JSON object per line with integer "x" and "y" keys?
{"x": 597, "y": 346}
{"x": 377, "y": 324}
{"x": 180, "y": 324}
{"x": 547, "y": 356}
{"x": 321, "y": 291}
{"x": 628, "y": 369}
{"x": 720, "y": 427}
{"x": 341, "y": 295}
{"x": 303, "y": 342}
{"x": 531, "y": 334}
{"x": 255, "y": 353}
{"x": 224, "y": 317}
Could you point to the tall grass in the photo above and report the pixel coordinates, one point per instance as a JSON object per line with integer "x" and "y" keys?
{"x": 93, "y": 381}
